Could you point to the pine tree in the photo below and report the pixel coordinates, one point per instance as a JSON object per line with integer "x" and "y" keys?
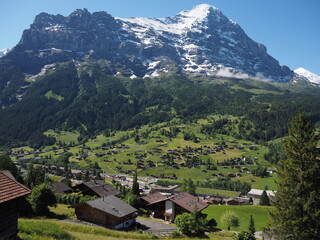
{"x": 264, "y": 200}
{"x": 135, "y": 185}
{"x": 297, "y": 201}
{"x": 251, "y": 228}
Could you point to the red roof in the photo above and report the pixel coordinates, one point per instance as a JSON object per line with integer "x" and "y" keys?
{"x": 155, "y": 197}
{"x": 189, "y": 202}
{"x": 184, "y": 200}
{"x": 10, "y": 188}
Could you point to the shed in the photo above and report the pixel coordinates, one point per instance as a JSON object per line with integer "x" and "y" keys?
{"x": 107, "y": 211}
{"x": 10, "y": 192}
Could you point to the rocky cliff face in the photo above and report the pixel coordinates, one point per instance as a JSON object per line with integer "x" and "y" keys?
{"x": 201, "y": 41}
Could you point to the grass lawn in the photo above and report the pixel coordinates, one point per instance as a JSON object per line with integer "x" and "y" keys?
{"x": 260, "y": 183}
{"x": 51, "y": 229}
{"x": 62, "y": 211}
{"x": 259, "y": 213}
{"x": 217, "y": 192}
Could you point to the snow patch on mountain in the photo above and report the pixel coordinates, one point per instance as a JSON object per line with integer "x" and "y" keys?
{"x": 179, "y": 24}
{"x": 311, "y": 77}
{"x": 4, "y": 52}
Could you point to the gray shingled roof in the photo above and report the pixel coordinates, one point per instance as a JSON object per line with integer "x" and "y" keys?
{"x": 61, "y": 188}
{"x": 101, "y": 188}
{"x": 112, "y": 205}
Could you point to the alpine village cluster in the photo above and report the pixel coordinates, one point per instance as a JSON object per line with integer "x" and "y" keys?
{"x": 148, "y": 128}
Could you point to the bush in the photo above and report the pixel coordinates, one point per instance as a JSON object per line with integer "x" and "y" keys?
{"x": 41, "y": 198}
{"x": 176, "y": 234}
{"x": 230, "y": 219}
{"x": 191, "y": 223}
{"x": 244, "y": 236}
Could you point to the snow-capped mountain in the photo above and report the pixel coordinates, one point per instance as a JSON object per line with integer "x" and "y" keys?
{"x": 4, "y": 52}
{"x": 201, "y": 41}
{"x": 311, "y": 77}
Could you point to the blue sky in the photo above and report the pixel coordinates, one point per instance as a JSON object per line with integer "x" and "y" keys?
{"x": 290, "y": 29}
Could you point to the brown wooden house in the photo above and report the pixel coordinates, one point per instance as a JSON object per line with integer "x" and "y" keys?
{"x": 10, "y": 192}
{"x": 97, "y": 188}
{"x": 61, "y": 188}
{"x": 167, "y": 207}
{"x": 155, "y": 204}
{"x": 107, "y": 211}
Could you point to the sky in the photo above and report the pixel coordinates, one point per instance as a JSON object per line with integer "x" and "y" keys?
{"x": 290, "y": 29}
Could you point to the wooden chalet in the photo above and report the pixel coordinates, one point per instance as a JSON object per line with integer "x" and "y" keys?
{"x": 108, "y": 211}
{"x": 168, "y": 206}
{"x": 10, "y": 193}
{"x": 97, "y": 188}
{"x": 61, "y": 188}
{"x": 214, "y": 201}
{"x": 155, "y": 204}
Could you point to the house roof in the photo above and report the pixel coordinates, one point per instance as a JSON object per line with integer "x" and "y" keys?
{"x": 155, "y": 197}
{"x": 60, "y": 187}
{"x": 10, "y": 188}
{"x": 101, "y": 188}
{"x": 111, "y": 205}
{"x": 188, "y": 202}
{"x": 259, "y": 192}
{"x": 184, "y": 200}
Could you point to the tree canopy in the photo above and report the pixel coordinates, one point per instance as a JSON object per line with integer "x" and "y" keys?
{"x": 297, "y": 201}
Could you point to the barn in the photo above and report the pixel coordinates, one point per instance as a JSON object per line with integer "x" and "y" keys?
{"x": 10, "y": 193}
{"x": 108, "y": 211}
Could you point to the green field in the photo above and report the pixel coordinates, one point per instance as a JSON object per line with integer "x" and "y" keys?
{"x": 217, "y": 192}
{"x": 259, "y": 213}
{"x": 52, "y": 229}
{"x": 151, "y": 138}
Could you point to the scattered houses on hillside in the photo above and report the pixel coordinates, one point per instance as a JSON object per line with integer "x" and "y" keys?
{"x": 108, "y": 211}
{"x": 10, "y": 192}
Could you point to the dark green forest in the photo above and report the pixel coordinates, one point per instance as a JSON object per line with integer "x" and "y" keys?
{"x": 89, "y": 100}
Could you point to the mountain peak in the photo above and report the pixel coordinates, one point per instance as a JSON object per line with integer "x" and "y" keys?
{"x": 311, "y": 77}
{"x": 200, "y": 11}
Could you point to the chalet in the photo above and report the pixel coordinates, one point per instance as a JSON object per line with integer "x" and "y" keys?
{"x": 61, "y": 188}
{"x": 169, "y": 189}
{"x": 97, "y": 188}
{"x": 168, "y": 206}
{"x": 109, "y": 212}
{"x": 10, "y": 193}
{"x": 214, "y": 200}
{"x": 233, "y": 201}
{"x": 256, "y": 193}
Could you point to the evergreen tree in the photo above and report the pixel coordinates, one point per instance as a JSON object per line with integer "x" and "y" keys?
{"x": 191, "y": 187}
{"x": 135, "y": 185}
{"x": 297, "y": 201}
{"x": 264, "y": 200}
{"x": 251, "y": 228}
{"x": 188, "y": 186}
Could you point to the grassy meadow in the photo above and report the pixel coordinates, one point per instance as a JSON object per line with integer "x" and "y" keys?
{"x": 259, "y": 213}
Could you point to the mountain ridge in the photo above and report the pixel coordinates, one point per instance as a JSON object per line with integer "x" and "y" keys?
{"x": 201, "y": 41}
